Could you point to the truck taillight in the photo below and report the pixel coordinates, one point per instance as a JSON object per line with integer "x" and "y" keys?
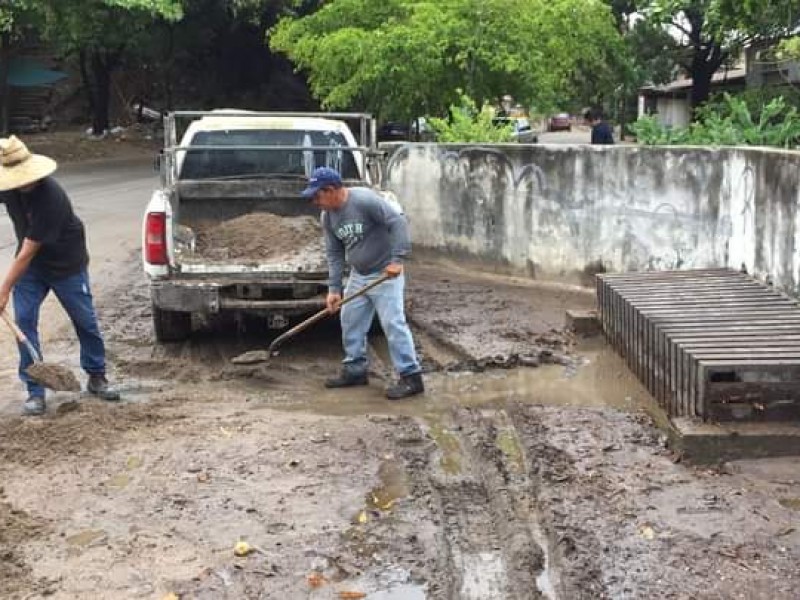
{"x": 155, "y": 238}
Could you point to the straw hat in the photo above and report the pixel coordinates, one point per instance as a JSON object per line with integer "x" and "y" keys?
{"x": 19, "y": 166}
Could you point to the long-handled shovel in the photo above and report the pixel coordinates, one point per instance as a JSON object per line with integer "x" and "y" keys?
{"x": 262, "y": 356}
{"x": 55, "y": 377}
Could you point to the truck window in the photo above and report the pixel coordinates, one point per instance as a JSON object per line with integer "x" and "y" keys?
{"x": 209, "y": 164}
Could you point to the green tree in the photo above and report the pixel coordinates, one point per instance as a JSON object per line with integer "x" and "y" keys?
{"x": 14, "y": 18}
{"x": 100, "y": 33}
{"x": 405, "y": 57}
{"x": 650, "y": 56}
{"x": 712, "y": 33}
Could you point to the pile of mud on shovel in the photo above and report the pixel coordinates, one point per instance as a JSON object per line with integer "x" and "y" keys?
{"x": 55, "y": 377}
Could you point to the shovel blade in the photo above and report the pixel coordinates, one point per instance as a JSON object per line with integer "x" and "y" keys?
{"x": 252, "y": 358}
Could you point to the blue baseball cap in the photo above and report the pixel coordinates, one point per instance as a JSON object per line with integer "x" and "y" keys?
{"x": 320, "y": 178}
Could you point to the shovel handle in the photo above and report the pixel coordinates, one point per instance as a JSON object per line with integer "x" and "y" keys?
{"x": 21, "y": 338}
{"x": 324, "y": 313}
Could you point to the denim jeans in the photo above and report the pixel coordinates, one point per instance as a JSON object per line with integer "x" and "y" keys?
{"x": 357, "y": 316}
{"x": 75, "y": 296}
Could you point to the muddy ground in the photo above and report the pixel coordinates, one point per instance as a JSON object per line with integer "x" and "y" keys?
{"x": 503, "y": 482}
{"x": 72, "y": 145}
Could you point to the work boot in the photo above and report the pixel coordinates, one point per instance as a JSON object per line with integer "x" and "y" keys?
{"x": 347, "y": 379}
{"x": 34, "y": 406}
{"x": 407, "y": 385}
{"x": 98, "y": 385}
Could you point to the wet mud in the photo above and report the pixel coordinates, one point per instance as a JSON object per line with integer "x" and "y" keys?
{"x": 54, "y": 377}
{"x": 504, "y": 481}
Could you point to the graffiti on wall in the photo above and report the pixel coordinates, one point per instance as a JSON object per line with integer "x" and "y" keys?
{"x": 527, "y": 207}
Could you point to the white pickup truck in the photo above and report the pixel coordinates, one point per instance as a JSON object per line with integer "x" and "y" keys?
{"x": 231, "y": 166}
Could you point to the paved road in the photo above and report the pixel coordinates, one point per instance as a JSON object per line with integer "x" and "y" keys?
{"x": 110, "y": 198}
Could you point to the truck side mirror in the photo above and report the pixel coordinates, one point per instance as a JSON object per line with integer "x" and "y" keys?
{"x": 157, "y": 161}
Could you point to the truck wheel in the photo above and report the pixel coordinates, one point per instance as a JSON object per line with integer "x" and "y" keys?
{"x": 171, "y": 326}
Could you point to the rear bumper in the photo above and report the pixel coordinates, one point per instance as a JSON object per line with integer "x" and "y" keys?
{"x": 212, "y": 298}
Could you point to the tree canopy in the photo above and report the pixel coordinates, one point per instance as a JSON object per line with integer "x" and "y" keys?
{"x": 100, "y": 33}
{"x": 405, "y": 57}
{"x": 712, "y": 33}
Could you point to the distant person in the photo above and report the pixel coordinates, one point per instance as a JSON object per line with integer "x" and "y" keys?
{"x": 602, "y": 133}
{"x": 51, "y": 256}
{"x": 370, "y": 234}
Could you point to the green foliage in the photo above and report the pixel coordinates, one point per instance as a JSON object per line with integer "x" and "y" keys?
{"x": 406, "y": 58}
{"x": 468, "y": 124}
{"x": 728, "y": 122}
{"x": 789, "y": 49}
{"x": 18, "y": 14}
{"x": 77, "y": 25}
{"x": 714, "y": 32}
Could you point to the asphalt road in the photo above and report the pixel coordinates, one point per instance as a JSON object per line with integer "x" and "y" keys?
{"x": 110, "y": 198}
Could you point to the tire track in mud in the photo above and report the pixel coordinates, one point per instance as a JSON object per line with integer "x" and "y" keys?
{"x": 479, "y": 498}
{"x": 547, "y": 467}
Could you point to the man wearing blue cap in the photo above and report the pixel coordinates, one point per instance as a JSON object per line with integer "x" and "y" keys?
{"x": 365, "y": 231}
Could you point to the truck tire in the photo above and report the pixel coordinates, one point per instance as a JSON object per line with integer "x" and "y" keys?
{"x": 171, "y": 326}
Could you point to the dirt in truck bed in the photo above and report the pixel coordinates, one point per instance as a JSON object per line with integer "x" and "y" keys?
{"x": 259, "y": 237}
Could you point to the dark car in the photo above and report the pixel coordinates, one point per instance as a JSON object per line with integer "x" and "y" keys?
{"x": 560, "y": 122}
{"x": 393, "y": 131}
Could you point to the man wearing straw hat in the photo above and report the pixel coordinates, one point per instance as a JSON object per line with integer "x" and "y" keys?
{"x": 51, "y": 256}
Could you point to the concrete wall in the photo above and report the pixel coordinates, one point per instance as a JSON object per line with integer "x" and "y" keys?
{"x": 555, "y": 211}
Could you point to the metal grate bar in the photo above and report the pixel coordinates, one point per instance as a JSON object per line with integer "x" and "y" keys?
{"x": 709, "y": 343}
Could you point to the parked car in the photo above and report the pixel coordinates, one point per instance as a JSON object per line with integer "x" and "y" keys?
{"x": 417, "y": 131}
{"x": 523, "y": 132}
{"x": 393, "y": 132}
{"x": 560, "y": 122}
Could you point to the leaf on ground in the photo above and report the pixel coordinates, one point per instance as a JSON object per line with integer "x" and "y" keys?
{"x": 647, "y": 532}
{"x": 242, "y": 549}
{"x": 316, "y": 580}
{"x": 345, "y": 595}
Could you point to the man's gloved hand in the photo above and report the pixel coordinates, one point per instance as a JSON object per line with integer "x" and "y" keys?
{"x": 333, "y": 301}
{"x": 394, "y": 270}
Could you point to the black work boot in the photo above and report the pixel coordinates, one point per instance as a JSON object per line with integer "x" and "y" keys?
{"x": 347, "y": 379}
{"x": 407, "y": 385}
{"x": 98, "y": 385}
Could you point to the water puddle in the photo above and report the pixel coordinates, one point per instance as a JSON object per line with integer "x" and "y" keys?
{"x": 449, "y": 447}
{"x": 85, "y": 538}
{"x": 393, "y": 486}
{"x": 790, "y": 503}
{"x": 597, "y": 378}
{"x": 400, "y": 592}
{"x": 483, "y": 576}
{"x": 511, "y": 447}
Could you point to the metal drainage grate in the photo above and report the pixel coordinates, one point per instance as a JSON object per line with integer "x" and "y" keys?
{"x": 712, "y": 343}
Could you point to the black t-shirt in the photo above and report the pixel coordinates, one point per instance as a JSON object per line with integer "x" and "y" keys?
{"x": 45, "y": 215}
{"x": 602, "y": 133}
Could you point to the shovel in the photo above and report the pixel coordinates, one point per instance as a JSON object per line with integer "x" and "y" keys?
{"x": 55, "y": 377}
{"x": 262, "y": 356}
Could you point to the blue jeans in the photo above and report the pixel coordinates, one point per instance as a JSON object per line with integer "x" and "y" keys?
{"x": 75, "y": 296}
{"x": 357, "y": 316}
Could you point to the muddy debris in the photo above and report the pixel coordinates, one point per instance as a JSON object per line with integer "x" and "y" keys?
{"x": 258, "y": 237}
{"x": 56, "y": 377}
{"x": 17, "y": 529}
